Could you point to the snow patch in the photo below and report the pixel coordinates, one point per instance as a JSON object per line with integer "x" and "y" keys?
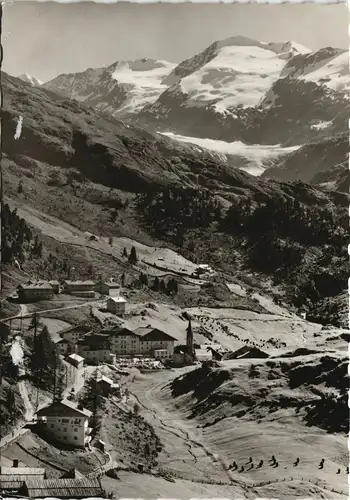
{"x": 30, "y": 79}
{"x": 17, "y": 353}
{"x": 334, "y": 74}
{"x": 19, "y": 128}
{"x": 143, "y": 79}
{"x": 321, "y": 125}
{"x": 255, "y": 155}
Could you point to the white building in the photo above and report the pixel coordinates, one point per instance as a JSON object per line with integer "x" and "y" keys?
{"x": 116, "y": 305}
{"x": 67, "y": 423}
{"x": 145, "y": 341}
{"x": 75, "y": 360}
{"x": 161, "y": 354}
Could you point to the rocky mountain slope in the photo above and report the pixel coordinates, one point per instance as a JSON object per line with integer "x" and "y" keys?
{"x": 323, "y": 162}
{"x": 120, "y": 89}
{"x": 105, "y": 176}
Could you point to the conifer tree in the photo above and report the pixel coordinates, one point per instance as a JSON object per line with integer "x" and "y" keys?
{"x": 133, "y": 256}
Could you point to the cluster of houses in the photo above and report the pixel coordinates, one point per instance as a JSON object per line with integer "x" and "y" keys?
{"x": 104, "y": 346}
{"x": 33, "y": 483}
{"x": 45, "y": 290}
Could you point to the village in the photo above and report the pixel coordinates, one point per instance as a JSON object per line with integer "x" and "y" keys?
{"x": 88, "y": 425}
{"x": 87, "y": 353}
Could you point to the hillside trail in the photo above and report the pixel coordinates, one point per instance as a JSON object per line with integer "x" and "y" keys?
{"x": 27, "y": 314}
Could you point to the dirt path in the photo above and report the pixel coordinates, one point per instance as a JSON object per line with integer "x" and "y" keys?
{"x": 29, "y": 410}
{"x": 75, "y": 306}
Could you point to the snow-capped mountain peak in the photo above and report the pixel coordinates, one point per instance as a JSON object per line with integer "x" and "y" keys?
{"x": 122, "y": 88}
{"x": 238, "y": 72}
{"x": 237, "y": 88}
{"x": 30, "y": 79}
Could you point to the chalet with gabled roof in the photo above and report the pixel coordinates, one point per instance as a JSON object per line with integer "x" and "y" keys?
{"x": 66, "y": 422}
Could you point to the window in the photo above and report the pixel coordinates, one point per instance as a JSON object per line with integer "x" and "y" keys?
{"x": 65, "y": 420}
{"x": 65, "y": 438}
{"x": 75, "y": 438}
{"x": 75, "y": 430}
{"x": 52, "y": 425}
{"x": 65, "y": 429}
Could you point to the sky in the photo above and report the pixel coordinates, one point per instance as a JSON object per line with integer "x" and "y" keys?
{"x": 45, "y": 39}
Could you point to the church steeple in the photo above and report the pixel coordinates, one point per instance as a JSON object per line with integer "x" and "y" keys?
{"x": 189, "y": 338}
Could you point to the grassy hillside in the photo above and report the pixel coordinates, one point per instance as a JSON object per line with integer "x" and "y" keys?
{"x": 270, "y": 386}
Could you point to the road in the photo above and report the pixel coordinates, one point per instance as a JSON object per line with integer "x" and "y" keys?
{"x": 27, "y": 314}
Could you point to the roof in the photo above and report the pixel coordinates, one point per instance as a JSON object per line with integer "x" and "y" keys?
{"x": 54, "y": 282}
{"x": 72, "y": 474}
{"x": 117, "y": 299}
{"x": 63, "y": 408}
{"x": 116, "y": 331}
{"x": 96, "y": 340}
{"x": 80, "y": 282}
{"x": 246, "y": 351}
{"x": 62, "y": 341}
{"x": 10, "y": 485}
{"x": 154, "y": 334}
{"x": 20, "y": 471}
{"x": 105, "y": 379}
{"x": 35, "y": 286}
{"x": 77, "y": 328}
{"x": 76, "y": 357}
{"x": 111, "y": 284}
{"x": 64, "y": 488}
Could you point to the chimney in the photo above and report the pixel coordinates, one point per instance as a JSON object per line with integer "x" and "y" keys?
{"x": 15, "y": 462}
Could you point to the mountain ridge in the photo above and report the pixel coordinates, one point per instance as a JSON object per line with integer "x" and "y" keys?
{"x": 206, "y": 95}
